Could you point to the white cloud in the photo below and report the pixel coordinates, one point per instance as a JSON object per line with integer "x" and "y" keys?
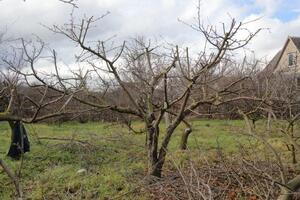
{"x": 155, "y": 19}
{"x": 270, "y": 40}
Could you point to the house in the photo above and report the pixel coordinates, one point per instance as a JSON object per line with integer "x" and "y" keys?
{"x": 287, "y": 60}
{"x": 282, "y": 74}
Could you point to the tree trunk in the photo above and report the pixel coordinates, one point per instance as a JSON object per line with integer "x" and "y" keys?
{"x": 156, "y": 163}
{"x": 184, "y": 138}
{"x": 14, "y": 179}
{"x": 167, "y": 119}
{"x": 156, "y": 158}
{"x": 293, "y": 151}
{"x": 156, "y": 169}
{"x": 253, "y": 123}
{"x": 269, "y": 122}
{"x": 151, "y": 147}
{"x": 152, "y": 156}
{"x": 294, "y": 185}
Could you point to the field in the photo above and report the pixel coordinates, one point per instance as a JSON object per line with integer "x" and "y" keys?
{"x": 114, "y": 158}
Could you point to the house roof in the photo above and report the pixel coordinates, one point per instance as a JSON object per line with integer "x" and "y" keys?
{"x": 271, "y": 67}
{"x": 296, "y": 41}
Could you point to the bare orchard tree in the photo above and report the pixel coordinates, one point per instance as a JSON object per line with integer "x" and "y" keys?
{"x": 287, "y": 107}
{"x": 289, "y": 186}
{"x": 153, "y": 80}
{"x": 281, "y": 101}
{"x": 282, "y": 93}
{"x": 24, "y": 101}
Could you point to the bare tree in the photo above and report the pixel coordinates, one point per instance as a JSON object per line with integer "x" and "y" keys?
{"x": 22, "y": 101}
{"x": 280, "y": 90}
{"x": 147, "y": 77}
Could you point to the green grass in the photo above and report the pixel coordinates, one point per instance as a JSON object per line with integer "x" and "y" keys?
{"x": 114, "y": 158}
{"x": 111, "y": 157}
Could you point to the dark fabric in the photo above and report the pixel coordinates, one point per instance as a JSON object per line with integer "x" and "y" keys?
{"x": 18, "y": 144}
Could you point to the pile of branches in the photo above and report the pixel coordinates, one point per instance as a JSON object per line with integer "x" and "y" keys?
{"x": 230, "y": 178}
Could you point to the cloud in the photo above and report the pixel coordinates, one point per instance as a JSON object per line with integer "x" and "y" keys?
{"x": 271, "y": 39}
{"x": 153, "y": 19}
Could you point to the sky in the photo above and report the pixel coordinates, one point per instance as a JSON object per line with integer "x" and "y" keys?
{"x": 154, "y": 19}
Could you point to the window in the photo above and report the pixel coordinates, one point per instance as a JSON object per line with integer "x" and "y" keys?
{"x": 290, "y": 59}
{"x": 298, "y": 82}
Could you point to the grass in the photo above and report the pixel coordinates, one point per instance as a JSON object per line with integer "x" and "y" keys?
{"x": 114, "y": 159}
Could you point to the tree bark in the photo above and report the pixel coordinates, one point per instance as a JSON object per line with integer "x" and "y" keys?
{"x": 269, "y": 122}
{"x": 294, "y": 185}
{"x": 156, "y": 168}
{"x": 253, "y": 123}
{"x": 152, "y": 145}
{"x": 293, "y": 151}
{"x": 167, "y": 118}
{"x": 14, "y": 179}
{"x": 184, "y": 138}
{"x": 152, "y": 156}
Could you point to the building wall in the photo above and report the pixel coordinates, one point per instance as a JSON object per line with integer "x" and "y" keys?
{"x": 283, "y": 65}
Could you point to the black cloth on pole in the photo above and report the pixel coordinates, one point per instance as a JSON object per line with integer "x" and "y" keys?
{"x": 20, "y": 142}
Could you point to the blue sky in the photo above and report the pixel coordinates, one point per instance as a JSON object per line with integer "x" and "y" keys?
{"x": 284, "y": 10}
